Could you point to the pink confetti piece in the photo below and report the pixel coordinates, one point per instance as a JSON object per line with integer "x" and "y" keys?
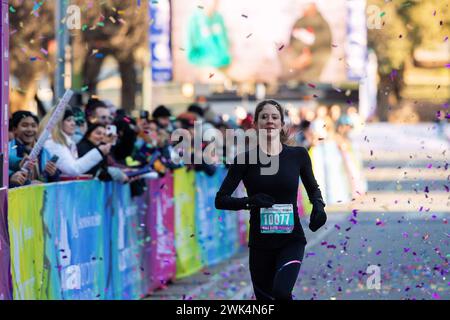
{"x": 436, "y": 296}
{"x": 311, "y": 85}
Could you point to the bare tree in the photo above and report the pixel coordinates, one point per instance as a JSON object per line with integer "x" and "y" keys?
{"x": 117, "y": 28}
{"x": 31, "y": 32}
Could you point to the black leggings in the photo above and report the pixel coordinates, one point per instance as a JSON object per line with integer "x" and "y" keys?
{"x": 274, "y": 271}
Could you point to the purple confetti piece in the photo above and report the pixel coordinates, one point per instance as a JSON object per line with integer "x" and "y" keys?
{"x": 378, "y": 252}
{"x": 447, "y": 65}
{"x": 429, "y": 166}
{"x": 426, "y": 189}
{"x": 446, "y": 188}
{"x": 393, "y": 74}
{"x": 436, "y": 296}
{"x": 337, "y": 227}
{"x": 355, "y": 212}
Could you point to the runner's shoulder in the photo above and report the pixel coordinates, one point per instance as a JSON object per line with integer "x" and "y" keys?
{"x": 298, "y": 150}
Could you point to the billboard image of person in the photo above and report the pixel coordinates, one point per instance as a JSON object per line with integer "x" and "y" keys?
{"x": 207, "y": 42}
{"x": 309, "y": 47}
{"x": 259, "y": 41}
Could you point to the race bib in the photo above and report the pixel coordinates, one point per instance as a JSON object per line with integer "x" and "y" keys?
{"x": 277, "y": 219}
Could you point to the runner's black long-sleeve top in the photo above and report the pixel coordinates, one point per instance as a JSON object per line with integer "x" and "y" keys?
{"x": 294, "y": 162}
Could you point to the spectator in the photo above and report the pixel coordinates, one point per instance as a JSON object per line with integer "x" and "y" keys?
{"x": 10, "y": 131}
{"x": 62, "y": 145}
{"x": 305, "y": 136}
{"x": 24, "y": 126}
{"x": 93, "y": 139}
{"x": 127, "y": 132}
{"x": 80, "y": 121}
{"x": 162, "y": 116}
{"x": 98, "y": 112}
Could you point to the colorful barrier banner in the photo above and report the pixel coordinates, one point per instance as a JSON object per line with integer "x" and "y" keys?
{"x": 91, "y": 240}
{"x": 188, "y": 249}
{"x": 127, "y": 244}
{"x": 229, "y": 231}
{"x": 5, "y": 278}
{"x": 161, "y": 228}
{"x": 26, "y": 233}
{"x": 207, "y": 219}
{"x": 80, "y": 245}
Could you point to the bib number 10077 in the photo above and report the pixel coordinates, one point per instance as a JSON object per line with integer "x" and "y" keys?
{"x": 277, "y": 219}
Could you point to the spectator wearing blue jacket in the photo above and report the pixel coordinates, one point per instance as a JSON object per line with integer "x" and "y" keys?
{"x": 24, "y": 125}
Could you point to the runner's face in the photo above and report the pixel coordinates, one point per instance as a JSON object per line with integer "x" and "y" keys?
{"x": 26, "y": 131}
{"x": 269, "y": 119}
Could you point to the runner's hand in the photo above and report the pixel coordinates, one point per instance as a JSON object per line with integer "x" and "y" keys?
{"x": 261, "y": 200}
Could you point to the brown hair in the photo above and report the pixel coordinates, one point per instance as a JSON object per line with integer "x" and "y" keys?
{"x": 284, "y": 134}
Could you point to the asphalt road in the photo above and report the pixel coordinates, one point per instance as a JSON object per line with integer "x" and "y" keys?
{"x": 399, "y": 230}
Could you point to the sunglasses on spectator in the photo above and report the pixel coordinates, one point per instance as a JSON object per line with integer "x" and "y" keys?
{"x": 110, "y": 118}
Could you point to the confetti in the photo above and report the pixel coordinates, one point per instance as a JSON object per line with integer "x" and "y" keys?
{"x": 280, "y": 48}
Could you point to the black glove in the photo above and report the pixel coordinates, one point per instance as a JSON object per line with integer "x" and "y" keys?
{"x": 261, "y": 200}
{"x": 318, "y": 216}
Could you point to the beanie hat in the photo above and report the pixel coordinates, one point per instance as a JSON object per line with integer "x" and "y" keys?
{"x": 161, "y": 111}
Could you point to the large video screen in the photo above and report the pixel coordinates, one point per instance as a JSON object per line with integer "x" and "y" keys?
{"x": 259, "y": 41}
